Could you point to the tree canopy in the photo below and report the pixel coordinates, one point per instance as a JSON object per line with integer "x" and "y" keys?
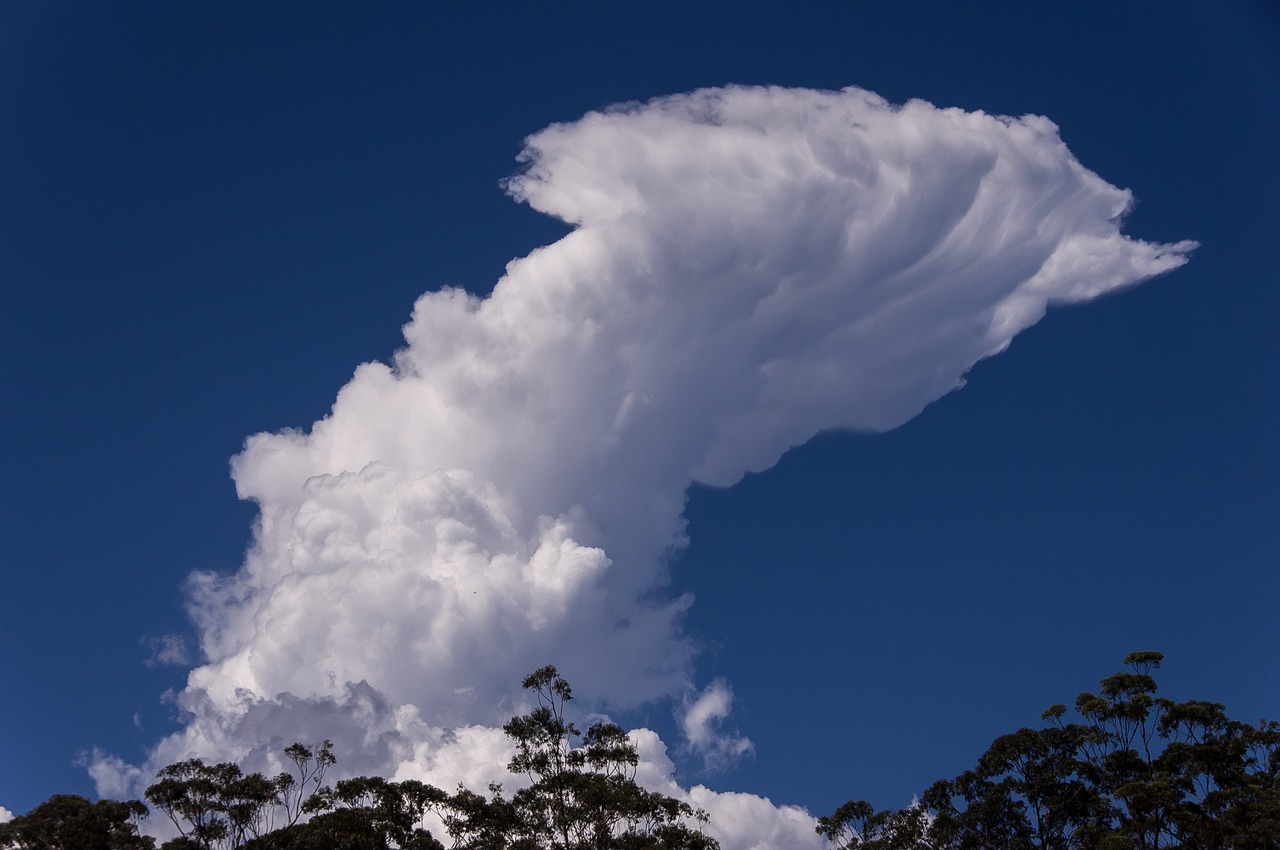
{"x": 582, "y": 793}
{"x": 70, "y": 822}
{"x": 1129, "y": 770}
{"x": 579, "y": 793}
{"x": 1135, "y": 771}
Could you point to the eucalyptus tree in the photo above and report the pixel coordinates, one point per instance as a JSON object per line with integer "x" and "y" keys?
{"x": 219, "y": 807}
{"x": 70, "y": 822}
{"x": 581, "y": 792}
{"x": 364, "y": 813}
{"x": 1135, "y": 771}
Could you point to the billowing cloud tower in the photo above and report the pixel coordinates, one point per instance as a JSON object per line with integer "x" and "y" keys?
{"x": 748, "y": 266}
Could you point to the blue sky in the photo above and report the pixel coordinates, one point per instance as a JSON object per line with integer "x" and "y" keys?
{"x": 211, "y": 214}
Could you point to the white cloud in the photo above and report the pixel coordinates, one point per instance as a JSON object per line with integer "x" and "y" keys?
{"x": 749, "y": 266}
{"x": 701, "y": 724}
{"x": 116, "y": 779}
{"x": 750, "y": 822}
{"x": 738, "y": 821}
{"x": 166, "y": 650}
{"x": 5, "y": 815}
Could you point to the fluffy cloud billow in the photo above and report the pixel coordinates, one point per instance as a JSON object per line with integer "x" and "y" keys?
{"x": 701, "y": 725}
{"x": 748, "y": 266}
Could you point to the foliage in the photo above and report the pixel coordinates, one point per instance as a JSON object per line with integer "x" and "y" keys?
{"x": 218, "y": 807}
{"x": 70, "y": 822}
{"x": 364, "y": 813}
{"x": 582, "y": 793}
{"x": 1138, "y": 772}
{"x": 1135, "y": 771}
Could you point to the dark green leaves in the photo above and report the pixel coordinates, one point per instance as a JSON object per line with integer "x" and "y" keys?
{"x": 70, "y": 821}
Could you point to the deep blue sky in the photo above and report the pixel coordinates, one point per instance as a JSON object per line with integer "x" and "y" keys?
{"x": 211, "y": 212}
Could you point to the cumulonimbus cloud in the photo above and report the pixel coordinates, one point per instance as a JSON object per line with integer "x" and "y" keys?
{"x": 748, "y": 266}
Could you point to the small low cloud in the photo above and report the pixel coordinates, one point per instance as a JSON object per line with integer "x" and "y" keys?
{"x": 702, "y": 721}
{"x": 167, "y": 650}
{"x": 116, "y": 779}
{"x": 738, "y": 821}
{"x": 5, "y": 815}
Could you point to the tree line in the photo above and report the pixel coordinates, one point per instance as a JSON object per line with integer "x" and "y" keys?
{"x": 1134, "y": 772}
{"x": 581, "y": 794}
